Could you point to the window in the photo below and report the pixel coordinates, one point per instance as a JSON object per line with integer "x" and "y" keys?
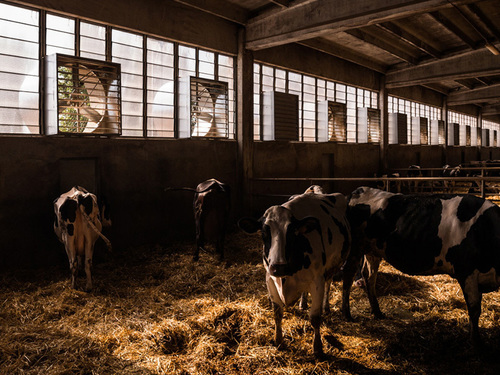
{"x": 467, "y": 125}
{"x": 92, "y": 41}
{"x": 19, "y": 72}
{"x": 149, "y": 84}
{"x": 311, "y": 92}
{"x": 413, "y": 109}
{"x": 160, "y": 88}
{"x": 60, "y": 35}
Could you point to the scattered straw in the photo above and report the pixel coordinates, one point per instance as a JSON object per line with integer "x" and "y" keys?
{"x": 154, "y": 311}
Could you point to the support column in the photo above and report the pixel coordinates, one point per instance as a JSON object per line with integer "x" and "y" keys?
{"x": 444, "y": 117}
{"x": 479, "y": 131}
{"x": 384, "y": 125}
{"x": 244, "y": 128}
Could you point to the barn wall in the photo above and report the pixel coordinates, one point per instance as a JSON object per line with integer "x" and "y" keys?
{"x": 165, "y": 18}
{"x": 132, "y": 174}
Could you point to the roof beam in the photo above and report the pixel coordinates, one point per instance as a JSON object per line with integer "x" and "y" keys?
{"x": 444, "y": 21}
{"x": 368, "y": 37}
{"x": 315, "y": 18}
{"x": 479, "y": 63}
{"x": 409, "y": 38}
{"x": 336, "y": 50}
{"x": 223, "y": 9}
{"x": 479, "y": 95}
{"x": 491, "y": 110}
{"x": 484, "y": 20}
{"x": 281, "y": 3}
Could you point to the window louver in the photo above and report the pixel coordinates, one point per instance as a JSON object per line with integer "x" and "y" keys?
{"x": 420, "y": 131}
{"x": 441, "y": 132}
{"x": 398, "y": 129}
{"x": 368, "y": 125}
{"x": 337, "y": 122}
{"x": 83, "y": 96}
{"x": 281, "y": 117}
{"x": 209, "y": 104}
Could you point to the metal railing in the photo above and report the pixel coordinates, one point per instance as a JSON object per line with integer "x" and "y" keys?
{"x": 484, "y": 186}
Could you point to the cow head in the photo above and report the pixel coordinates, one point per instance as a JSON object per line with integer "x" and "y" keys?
{"x": 286, "y": 250}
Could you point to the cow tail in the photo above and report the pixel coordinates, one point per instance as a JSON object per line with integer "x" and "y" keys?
{"x": 92, "y": 225}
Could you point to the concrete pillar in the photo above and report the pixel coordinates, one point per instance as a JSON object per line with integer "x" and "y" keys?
{"x": 444, "y": 117}
{"x": 384, "y": 125}
{"x": 244, "y": 128}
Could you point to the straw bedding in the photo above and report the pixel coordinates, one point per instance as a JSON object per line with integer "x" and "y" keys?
{"x": 154, "y": 311}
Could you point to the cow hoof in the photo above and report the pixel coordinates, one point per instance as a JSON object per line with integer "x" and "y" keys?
{"x": 379, "y": 316}
{"x": 319, "y": 355}
{"x": 347, "y": 317}
{"x": 196, "y": 258}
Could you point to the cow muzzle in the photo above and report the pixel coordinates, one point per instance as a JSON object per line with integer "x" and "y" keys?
{"x": 278, "y": 269}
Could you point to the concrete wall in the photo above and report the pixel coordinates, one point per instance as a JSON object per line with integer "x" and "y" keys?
{"x": 132, "y": 174}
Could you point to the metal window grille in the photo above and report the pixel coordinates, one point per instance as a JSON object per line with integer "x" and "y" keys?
{"x": 83, "y": 96}
{"x": 208, "y": 109}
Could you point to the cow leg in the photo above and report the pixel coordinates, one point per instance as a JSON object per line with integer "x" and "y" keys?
{"x": 73, "y": 262}
{"x": 317, "y": 295}
{"x": 277, "y": 306}
{"x": 326, "y": 297}
{"x": 350, "y": 268}
{"x": 473, "y": 299}
{"x": 73, "y": 265}
{"x": 370, "y": 271}
{"x": 89, "y": 250}
{"x": 278, "y": 317}
{"x": 303, "y": 301}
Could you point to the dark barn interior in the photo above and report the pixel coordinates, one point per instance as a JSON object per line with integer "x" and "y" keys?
{"x": 298, "y": 92}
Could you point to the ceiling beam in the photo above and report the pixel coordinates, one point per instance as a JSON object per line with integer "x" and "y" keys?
{"x": 491, "y": 110}
{"x": 223, "y": 9}
{"x": 409, "y": 38}
{"x": 480, "y": 63}
{"x": 485, "y": 21}
{"x": 316, "y": 18}
{"x": 479, "y": 95}
{"x": 281, "y": 3}
{"x": 369, "y": 37}
{"x": 344, "y": 53}
{"x": 454, "y": 29}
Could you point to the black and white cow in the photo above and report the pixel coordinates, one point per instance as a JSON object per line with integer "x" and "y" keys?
{"x": 78, "y": 225}
{"x": 306, "y": 241}
{"x": 458, "y": 235}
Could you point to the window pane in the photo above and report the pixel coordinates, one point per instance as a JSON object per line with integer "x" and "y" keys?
{"x": 129, "y": 55}
{"x": 160, "y": 109}
{"x": 92, "y": 41}
{"x": 19, "y": 75}
{"x": 60, "y": 35}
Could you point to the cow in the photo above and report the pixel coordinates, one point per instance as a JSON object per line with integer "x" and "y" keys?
{"x": 448, "y": 171}
{"x": 78, "y": 225}
{"x": 458, "y": 235}
{"x": 386, "y": 184}
{"x": 306, "y": 240}
{"x": 211, "y": 206}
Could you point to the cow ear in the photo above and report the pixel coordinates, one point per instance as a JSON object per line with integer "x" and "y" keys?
{"x": 249, "y": 225}
{"x": 308, "y": 224}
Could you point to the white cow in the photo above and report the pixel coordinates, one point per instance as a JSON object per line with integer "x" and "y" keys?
{"x": 78, "y": 225}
